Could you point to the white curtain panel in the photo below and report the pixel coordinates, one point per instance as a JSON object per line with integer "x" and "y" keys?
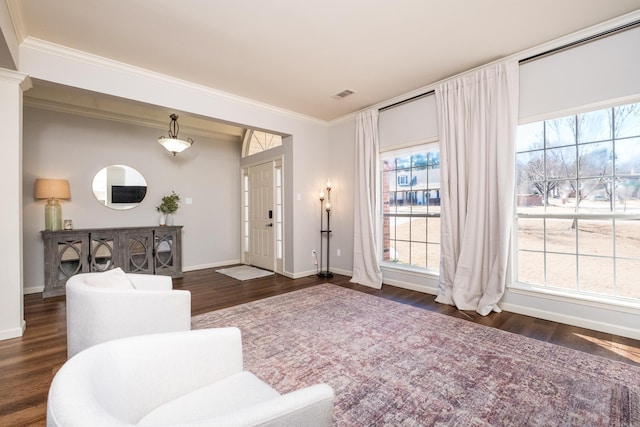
{"x": 477, "y": 117}
{"x": 366, "y": 270}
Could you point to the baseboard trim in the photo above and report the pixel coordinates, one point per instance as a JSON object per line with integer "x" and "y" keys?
{"x": 431, "y": 287}
{"x": 427, "y": 288}
{"x": 298, "y": 275}
{"x": 567, "y": 319}
{"x": 408, "y": 278}
{"x": 13, "y": 332}
{"x": 40, "y": 288}
{"x": 313, "y": 272}
{"x": 342, "y": 272}
{"x": 211, "y": 265}
{"x": 33, "y": 289}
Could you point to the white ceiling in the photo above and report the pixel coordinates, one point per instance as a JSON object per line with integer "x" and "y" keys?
{"x": 298, "y": 54}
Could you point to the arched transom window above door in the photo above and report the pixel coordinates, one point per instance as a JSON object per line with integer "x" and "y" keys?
{"x": 256, "y": 141}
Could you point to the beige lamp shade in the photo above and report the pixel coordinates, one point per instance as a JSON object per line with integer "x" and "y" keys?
{"x": 52, "y": 189}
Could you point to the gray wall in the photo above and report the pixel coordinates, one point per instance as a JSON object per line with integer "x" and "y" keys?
{"x": 341, "y": 167}
{"x": 73, "y": 147}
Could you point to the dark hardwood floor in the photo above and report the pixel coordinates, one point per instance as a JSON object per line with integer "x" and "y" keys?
{"x": 28, "y": 363}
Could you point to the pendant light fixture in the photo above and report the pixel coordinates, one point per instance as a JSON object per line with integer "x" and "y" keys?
{"x": 172, "y": 143}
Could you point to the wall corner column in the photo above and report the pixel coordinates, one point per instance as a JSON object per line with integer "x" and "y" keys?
{"x": 12, "y": 87}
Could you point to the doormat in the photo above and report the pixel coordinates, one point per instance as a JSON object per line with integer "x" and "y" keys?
{"x": 245, "y": 272}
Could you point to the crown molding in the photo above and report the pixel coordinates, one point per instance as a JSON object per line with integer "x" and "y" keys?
{"x": 127, "y": 118}
{"x": 19, "y": 78}
{"x": 11, "y": 27}
{"x": 120, "y": 67}
{"x": 17, "y": 19}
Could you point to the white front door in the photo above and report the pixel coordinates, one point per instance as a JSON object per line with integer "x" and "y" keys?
{"x": 262, "y": 216}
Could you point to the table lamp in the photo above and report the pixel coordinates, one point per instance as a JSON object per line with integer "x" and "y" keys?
{"x": 52, "y": 189}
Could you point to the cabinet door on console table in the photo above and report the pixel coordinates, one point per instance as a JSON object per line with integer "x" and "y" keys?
{"x": 66, "y": 254}
{"x": 167, "y": 256}
{"x": 148, "y": 250}
{"x": 136, "y": 247}
{"x": 103, "y": 250}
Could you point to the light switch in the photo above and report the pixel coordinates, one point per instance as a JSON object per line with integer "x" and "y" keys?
{"x": 188, "y": 200}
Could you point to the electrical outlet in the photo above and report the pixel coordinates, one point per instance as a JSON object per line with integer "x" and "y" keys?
{"x": 338, "y": 252}
{"x": 314, "y": 255}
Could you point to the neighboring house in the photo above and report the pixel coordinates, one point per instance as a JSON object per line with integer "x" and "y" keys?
{"x": 421, "y": 187}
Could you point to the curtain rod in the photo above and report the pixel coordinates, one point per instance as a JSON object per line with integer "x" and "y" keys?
{"x": 404, "y": 101}
{"x": 534, "y": 57}
{"x": 581, "y": 41}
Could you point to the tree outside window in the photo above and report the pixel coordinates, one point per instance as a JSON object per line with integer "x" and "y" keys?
{"x": 578, "y": 199}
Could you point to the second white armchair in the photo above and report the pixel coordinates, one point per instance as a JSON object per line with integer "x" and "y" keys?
{"x": 114, "y": 304}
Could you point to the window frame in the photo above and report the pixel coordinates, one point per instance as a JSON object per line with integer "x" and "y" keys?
{"x": 431, "y": 144}
{"x": 256, "y": 141}
{"x": 612, "y": 216}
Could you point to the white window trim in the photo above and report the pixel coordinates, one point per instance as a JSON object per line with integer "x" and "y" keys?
{"x": 610, "y": 302}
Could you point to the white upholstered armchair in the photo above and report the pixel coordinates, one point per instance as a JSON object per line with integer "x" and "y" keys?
{"x": 114, "y": 304}
{"x": 192, "y": 378}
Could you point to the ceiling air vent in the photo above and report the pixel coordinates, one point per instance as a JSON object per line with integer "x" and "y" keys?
{"x": 344, "y": 93}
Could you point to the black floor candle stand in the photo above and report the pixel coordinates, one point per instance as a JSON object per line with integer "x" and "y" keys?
{"x": 325, "y": 232}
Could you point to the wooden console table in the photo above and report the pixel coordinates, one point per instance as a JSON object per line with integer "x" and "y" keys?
{"x": 147, "y": 250}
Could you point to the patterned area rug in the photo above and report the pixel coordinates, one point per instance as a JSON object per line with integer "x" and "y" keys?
{"x": 245, "y": 272}
{"x": 392, "y": 364}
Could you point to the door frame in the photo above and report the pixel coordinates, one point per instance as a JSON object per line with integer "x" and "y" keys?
{"x": 279, "y": 226}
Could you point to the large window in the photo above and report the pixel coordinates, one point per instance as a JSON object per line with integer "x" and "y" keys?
{"x": 411, "y": 206}
{"x": 578, "y": 202}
